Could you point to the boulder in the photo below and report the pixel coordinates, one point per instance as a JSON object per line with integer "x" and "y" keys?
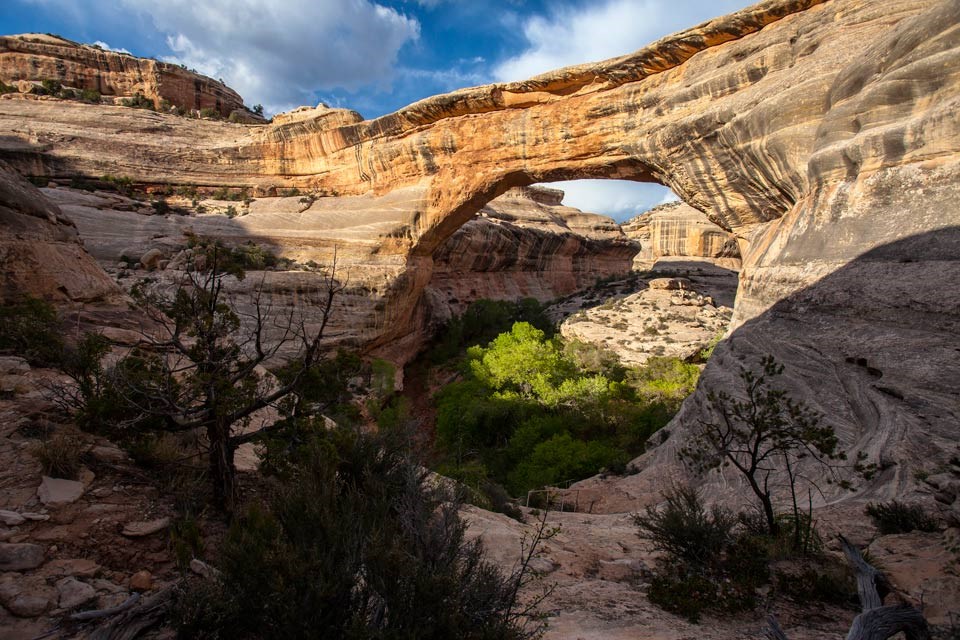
{"x": 20, "y": 556}
{"x": 25, "y": 596}
{"x": 151, "y": 258}
{"x": 141, "y": 581}
{"x": 11, "y": 518}
{"x": 73, "y": 593}
{"x": 57, "y": 492}
{"x": 143, "y": 529}
{"x": 670, "y": 283}
{"x": 77, "y": 567}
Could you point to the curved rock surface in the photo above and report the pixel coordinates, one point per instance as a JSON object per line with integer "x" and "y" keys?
{"x": 40, "y": 251}
{"x": 526, "y": 244}
{"x": 37, "y": 57}
{"x": 823, "y": 133}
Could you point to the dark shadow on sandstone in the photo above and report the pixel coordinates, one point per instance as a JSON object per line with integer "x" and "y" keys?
{"x": 874, "y": 346}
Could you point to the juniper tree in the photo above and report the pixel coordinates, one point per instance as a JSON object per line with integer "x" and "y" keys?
{"x": 205, "y": 360}
{"x": 764, "y": 434}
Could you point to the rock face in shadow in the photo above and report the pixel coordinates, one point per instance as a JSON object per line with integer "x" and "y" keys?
{"x": 40, "y": 252}
{"x": 38, "y": 57}
{"x": 817, "y": 132}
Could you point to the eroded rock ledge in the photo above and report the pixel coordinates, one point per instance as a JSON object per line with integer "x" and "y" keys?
{"x": 37, "y": 57}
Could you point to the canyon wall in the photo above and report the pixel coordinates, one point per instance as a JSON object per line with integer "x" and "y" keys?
{"x": 526, "y": 244}
{"x": 40, "y": 251}
{"x": 38, "y": 57}
{"x": 822, "y": 133}
{"x": 677, "y": 229}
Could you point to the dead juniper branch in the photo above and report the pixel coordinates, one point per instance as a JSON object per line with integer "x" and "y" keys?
{"x": 876, "y": 621}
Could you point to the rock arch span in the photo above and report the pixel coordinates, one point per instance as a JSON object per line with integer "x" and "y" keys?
{"x": 818, "y": 131}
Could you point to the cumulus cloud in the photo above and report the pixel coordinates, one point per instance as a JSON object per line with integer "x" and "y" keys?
{"x": 619, "y": 199}
{"x": 571, "y": 34}
{"x": 103, "y": 45}
{"x": 281, "y": 53}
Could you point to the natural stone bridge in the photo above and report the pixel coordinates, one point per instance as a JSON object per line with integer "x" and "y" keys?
{"x": 823, "y": 133}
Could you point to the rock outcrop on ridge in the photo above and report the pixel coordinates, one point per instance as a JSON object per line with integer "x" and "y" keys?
{"x": 822, "y": 133}
{"x": 36, "y": 57}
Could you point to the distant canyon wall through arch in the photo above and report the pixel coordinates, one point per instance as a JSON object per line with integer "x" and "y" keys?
{"x": 816, "y": 131}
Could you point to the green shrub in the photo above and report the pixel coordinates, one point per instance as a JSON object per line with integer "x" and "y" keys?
{"x": 898, "y": 517}
{"x": 831, "y": 583}
{"x": 483, "y": 321}
{"x": 31, "y": 329}
{"x": 706, "y": 564}
{"x": 138, "y": 101}
{"x": 123, "y": 184}
{"x": 684, "y": 529}
{"x": 90, "y": 95}
{"x": 6, "y": 88}
{"x": 209, "y": 113}
{"x": 231, "y": 212}
{"x": 353, "y": 545}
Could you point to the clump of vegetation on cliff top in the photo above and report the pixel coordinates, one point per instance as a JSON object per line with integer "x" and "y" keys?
{"x": 532, "y": 411}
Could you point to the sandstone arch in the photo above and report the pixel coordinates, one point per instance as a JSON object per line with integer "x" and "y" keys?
{"x": 816, "y": 130}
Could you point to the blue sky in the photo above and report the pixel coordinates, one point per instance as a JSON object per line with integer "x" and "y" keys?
{"x": 376, "y": 56}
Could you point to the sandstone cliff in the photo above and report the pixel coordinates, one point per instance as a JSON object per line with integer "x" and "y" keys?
{"x": 38, "y": 57}
{"x": 824, "y": 134}
{"x": 40, "y": 252}
{"x": 525, "y": 244}
{"x": 677, "y": 229}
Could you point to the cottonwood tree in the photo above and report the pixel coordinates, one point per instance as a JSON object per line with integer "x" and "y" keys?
{"x": 207, "y": 358}
{"x": 766, "y": 433}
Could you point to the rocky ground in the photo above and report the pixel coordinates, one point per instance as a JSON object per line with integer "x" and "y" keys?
{"x": 70, "y": 545}
{"x": 676, "y": 308}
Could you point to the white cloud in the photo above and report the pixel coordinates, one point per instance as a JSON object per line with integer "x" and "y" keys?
{"x": 573, "y": 35}
{"x": 619, "y": 199}
{"x": 281, "y": 53}
{"x": 570, "y": 35}
{"x": 103, "y": 45}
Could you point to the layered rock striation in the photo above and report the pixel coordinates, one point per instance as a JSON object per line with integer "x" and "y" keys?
{"x": 38, "y": 57}
{"x": 526, "y": 244}
{"x": 677, "y": 229}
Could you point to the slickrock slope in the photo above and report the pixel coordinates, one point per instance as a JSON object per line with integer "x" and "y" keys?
{"x": 677, "y": 229}
{"x": 38, "y": 57}
{"x": 523, "y": 244}
{"x": 823, "y": 133}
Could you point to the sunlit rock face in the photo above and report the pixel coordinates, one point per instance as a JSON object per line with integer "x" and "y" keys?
{"x": 526, "y": 244}
{"x": 677, "y": 229}
{"x": 36, "y": 57}
{"x": 822, "y": 134}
